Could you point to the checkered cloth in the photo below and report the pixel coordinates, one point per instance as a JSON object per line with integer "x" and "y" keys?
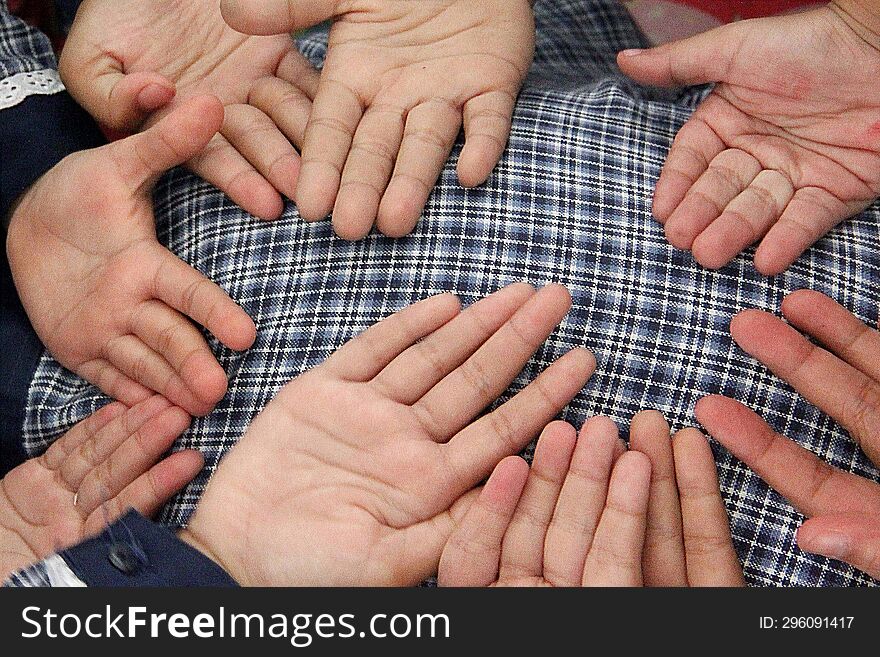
{"x": 569, "y": 203}
{"x": 22, "y": 48}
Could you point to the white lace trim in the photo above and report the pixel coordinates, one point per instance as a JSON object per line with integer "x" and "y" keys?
{"x": 60, "y": 574}
{"x": 16, "y": 88}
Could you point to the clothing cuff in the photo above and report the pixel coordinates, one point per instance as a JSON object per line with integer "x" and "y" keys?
{"x": 136, "y": 552}
{"x": 35, "y": 135}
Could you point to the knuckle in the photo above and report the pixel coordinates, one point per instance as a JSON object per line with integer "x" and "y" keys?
{"x": 430, "y": 137}
{"x": 502, "y": 426}
{"x": 865, "y": 406}
{"x": 474, "y": 372}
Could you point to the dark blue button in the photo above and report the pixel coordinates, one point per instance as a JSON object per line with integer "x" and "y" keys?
{"x": 124, "y": 558}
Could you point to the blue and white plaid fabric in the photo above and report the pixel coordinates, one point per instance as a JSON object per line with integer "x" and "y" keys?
{"x": 22, "y": 48}
{"x": 569, "y": 203}
{"x": 27, "y": 62}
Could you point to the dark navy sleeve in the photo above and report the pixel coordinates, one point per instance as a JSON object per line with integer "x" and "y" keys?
{"x": 40, "y": 124}
{"x": 35, "y": 135}
{"x": 134, "y": 551}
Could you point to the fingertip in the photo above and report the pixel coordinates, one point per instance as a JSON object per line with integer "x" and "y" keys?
{"x": 709, "y": 255}
{"x": 678, "y": 236}
{"x": 557, "y": 437}
{"x": 771, "y": 257}
{"x": 558, "y": 296}
{"x": 255, "y": 195}
{"x": 724, "y": 418}
{"x": 600, "y": 427}
{"x": 802, "y": 303}
{"x": 155, "y": 95}
{"x": 240, "y": 330}
{"x": 689, "y": 436}
{"x": 746, "y": 324}
{"x": 400, "y": 210}
{"x": 350, "y": 231}
{"x": 473, "y": 168}
{"x": 585, "y": 362}
{"x": 175, "y": 421}
{"x": 316, "y": 191}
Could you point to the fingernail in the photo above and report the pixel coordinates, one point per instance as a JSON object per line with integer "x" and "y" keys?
{"x": 632, "y": 52}
{"x": 154, "y": 94}
{"x": 831, "y": 544}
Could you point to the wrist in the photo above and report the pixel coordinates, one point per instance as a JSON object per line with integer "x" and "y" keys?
{"x": 862, "y": 16}
{"x": 195, "y": 541}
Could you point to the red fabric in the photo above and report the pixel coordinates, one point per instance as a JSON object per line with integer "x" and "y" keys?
{"x": 730, "y": 10}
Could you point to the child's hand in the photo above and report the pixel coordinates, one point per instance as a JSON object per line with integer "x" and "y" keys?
{"x": 589, "y": 513}
{"x": 354, "y": 474}
{"x": 105, "y": 465}
{"x": 787, "y": 145}
{"x": 844, "y": 381}
{"x": 125, "y": 59}
{"x": 399, "y": 79}
{"x": 107, "y": 300}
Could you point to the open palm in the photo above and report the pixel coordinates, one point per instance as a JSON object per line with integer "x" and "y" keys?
{"x": 111, "y": 303}
{"x": 785, "y": 147}
{"x": 354, "y": 474}
{"x": 108, "y": 463}
{"x": 125, "y": 59}
{"x": 399, "y": 79}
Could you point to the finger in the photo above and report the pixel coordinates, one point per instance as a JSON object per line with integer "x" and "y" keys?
{"x": 287, "y": 106}
{"x": 812, "y": 486}
{"x": 61, "y": 449}
{"x": 367, "y": 170}
{"x": 694, "y": 147}
{"x": 854, "y": 539}
{"x": 98, "y": 82}
{"x": 418, "y": 369}
{"x": 711, "y": 557}
{"x": 336, "y": 113}
{"x": 472, "y": 554}
{"x": 132, "y": 458}
{"x": 487, "y": 120}
{"x": 663, "y": 562}
{"x": 420, "y": 546}
{"x": 744, "y": 221}
{"x": 178, "y": 341}
{"x": 142, "y": 364}
{"x": 224, "y": 167}
{"x": 707, "y": 57}
{"x": 727, "y": 176}
{"x": 811, "y": 213}
{"x": 615, "y": 557}
{"x": 151, "y": 491}
{"x": 266, "y": 17}
{"x": 847, "y": 395}
{"x": 178, "y": 137}
{"x": 431, "y": 129}
{"x": 472, "y": 453}
{"x": 94, "y": 450}
{"x": 460, "y": 396}
{"x": 258, "y": 139}
{"x": 205, "y": 302}
{"x": 298, "y": 71}
{"x": 522, "y": 554}
{"x": 367, "y": 354}
{"x": 835, "y": 327}
{"x": 113, "y": 383}
{"x": 580, "y": 503}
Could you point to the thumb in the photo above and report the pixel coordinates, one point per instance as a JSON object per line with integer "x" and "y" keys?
{"x": 852, "y": 538}
{"x": 118, "y": 100}
{"x": 177, "y": 138}
{"x": 703, "y": 58}
{"x": 266, "y": 17}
